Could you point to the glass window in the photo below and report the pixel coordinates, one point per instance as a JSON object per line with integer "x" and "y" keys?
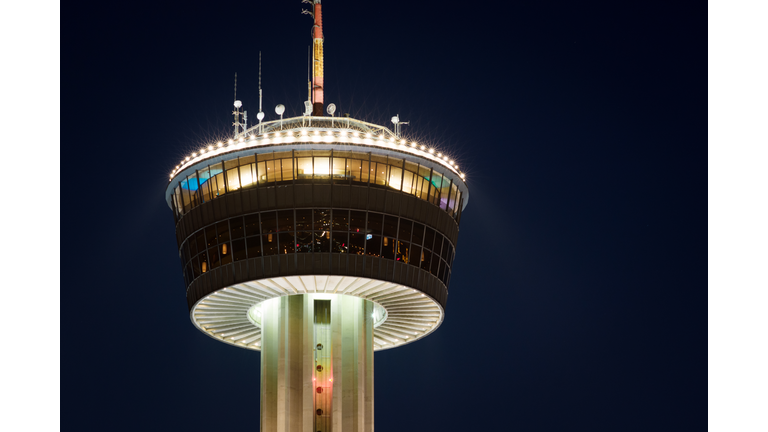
{"x": 341, "y": 220}
{"x": 253, "y": 245}
{"x": 339, "y": 167}
{"x": 193, "y": 187}
{"x": 217, "y": 179}
{"x": 375, "y": 223}
{"x": 390, "y": 226}
{"x": 246, "y": 160}
{"x": 304, "y": 168}
{"x": 429, "y": 238}
{"x": 285, "y": 220}
{"x": 251, "y": 225}
{"x": 354, "y": 167}
{"x": 210, "y": 236}
{"x": 272, "y": 172}
{"x": 287, "y": 243}
{"x": 192, "y": 245}
{"x": 246, "y": 175}
{"x": 357, "y": 221}
{"x": 213, "y": 255}
{"x": 395, "y": 178}
{"x": 232, "y": 163}
{"x": 418, "y": 233}
{"x": 445, "y": 189}
{"x": 185, "y": 195}
{"x": 388, "y": 247}
{"x": 185, "y": 256}
{"x": 416, "y": 256}
{"x": 456, "y": 203}
{"x": 395, "y": 162}
{"x": 205, "y": 265}
{"x": 200, "y": 240}
{"x": 322, "y": 168}
{"x": 402, "y": 252}
{"x": 452, "y": 200}
{"x": 268, "y": 222}
{"x": 435, "y": 264}
{"x": 238, "y": 249}
{"x": 188, "y": 273}
{"x": 236, "y": 225}
{"x": 261, "y": 172}
{"x": 303, "y": 219}
{"x": 426, "y": 259}
{"x": 339, "y": 242}
{"x": 446, "y": 254}
{"x": 196, "y": 267}
{"x": 381, "y": 173}
{"x": 226, "y": 253}
{"x": 303, "y": 241}
{"x": 412, "y": 167}
{"x": 438, "y": 244}
{"x": 322, "y": 241}
{"x": 368, "y": 171}
{"x": 434, "y": 189}
{"x": 404, "y": 232}
{"x": 204, "y": 177}
{"x": 443, "y": 269}
{"x": 287, "y": 166}
{"x": 179, "y": 202}
{"x": 222, "y": 231}
{"x": 373, "y": 245}
{"x": 409, "y": 186}
{"x": 269, "y": 244}
{"x": 322, "y": 220}
{"x": 356, "y": 243}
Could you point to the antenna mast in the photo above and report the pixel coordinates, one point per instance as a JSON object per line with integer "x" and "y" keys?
{"x": 317, "y": 44}
{"x": 260, "y": 115}
{"x": 236, "y": 112}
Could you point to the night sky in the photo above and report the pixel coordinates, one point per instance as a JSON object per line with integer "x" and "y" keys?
{"x": 578, "y": 295}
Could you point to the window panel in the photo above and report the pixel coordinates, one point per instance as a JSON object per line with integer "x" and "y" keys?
{"x": 179, "y": 201}
{"x": 367, "y": 170}
{"x": 354, "y": 167}
{"x": 322, "y": 168}
{"x": 268, "y": 222}
{"x": 390, "y": 226}
{"x": 435, "y": 264}
{"x": 238, "y": 249}
{"x": 213, "y": 256}
{"x": 225, "y": 250}
{"x": 303, "y": 219}
{"x": 287, "y": 166}
{"x": 429, "y": 238}
{"x": 445, "y": 189}
{"x": 341, "y": 220}
{"x": 304, "y": 241}
{"x": 192, "y": 245}
{"x": 416, "y": 256}
{"x": 220, "y": 189}
{"x": 269, "y": 244}
{"x": 322, "y": 220}
{"x": 322, "y": 241}
{"x": 381, "y": 173}
{"x": 426, "y": 259}
{"x": 251, "y": 225}
{"x": 246, "y": 176}
{"x": 452, "y": 200}
{"x": 418, "y": 234}
{"x": 409, "y": 186}
{"x": 233, "y": 180}
{"x": 193, "y": 188}
{"x": 339, "y": 167}
{"x": 395, "y": 178}
{"x": 404, "y": 232}
{"x": 253, "y": 245}
{"x": 456, "y": 203}
{"x": 304, "y": 168}
{"x": 222, "y": 231}
{"x": 373, "y": 245}
{"x": 375, "y": 223}
{"x": 357, "y": 221}
{"x": 261, "y": 172}
{"x": 285, "y": 220}
{"x": 236, "y": 226}
{"x": 204, "y": 177}
{"x": 200, "y": 240}
{"x": 339, "y": 242}
{"x": 356, "y": 243}
{"x": 232, "y": 163}
{"x": 446, "y": 254}
{"x": 402, "y": 251}
{"x": 287, "y": 243}
{"x": 388, "y": 246}
{"x": 185, "y": 195}
{"x": 272, "y": 172}
{"x": 205, "y": 265}
{"x": 196, "y": 268}
{"x": 210, "y": 236}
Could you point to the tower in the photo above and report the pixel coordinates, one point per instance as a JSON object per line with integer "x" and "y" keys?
{"x": 317, "y": 241}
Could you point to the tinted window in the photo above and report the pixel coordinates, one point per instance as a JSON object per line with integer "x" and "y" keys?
{"x": 322, "y": 241}
{"x": 251, "y": 223}
{"x": 303, "y": 219}
{"x": 238, "y": 249}
{"x": 268, "y": 222}
{"x": 287, "y": 243}
{"x": 404, "y": 232}
{"x": 341, "y": 220}
{"x": 285, "y": 220}
{"x": 236, "y": 226}
{"x": 418, "y": 234}
{"x": 322, "y": 220}
{"x": 357, "y": 221}
{"x": 373, "y": 245}
{"x": 253, "y": 245}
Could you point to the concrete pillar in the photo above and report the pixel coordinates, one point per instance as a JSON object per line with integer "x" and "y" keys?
{"x": 291, "y": 331}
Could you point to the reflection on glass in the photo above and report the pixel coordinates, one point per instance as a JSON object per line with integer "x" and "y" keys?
{"x": 357, "y": 243}
{"x": 303, "y": 219}
{"x": 341, "y": 220}
{"x": 205, "y": 191}
{"x": 304, "y": 241}
{"x": 269, "y": 244}
{"x": 253, "y": 245}
{"x": 236, "y": 224}
{"x": 395, "y": 178}
{"x": 213, "y": 256}
{"x": 287, "y": 243}
{"x": 322, "y": 241}
{"x": 339, "y": 243}
{"x": 357, "y": 221}
{"x": 323, "y": 219}
{"x": 373, "y": 245}
{"x": 416, "y": 256}
{"x": 402, "y": 252}
{"x": 285, "y": 220}
{"x": 238, "y": 250}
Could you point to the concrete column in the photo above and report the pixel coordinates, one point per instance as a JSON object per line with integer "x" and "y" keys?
{"x": 288, "y": 364}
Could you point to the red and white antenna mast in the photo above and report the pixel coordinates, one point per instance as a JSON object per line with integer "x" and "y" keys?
{"x": 317, "y": 57}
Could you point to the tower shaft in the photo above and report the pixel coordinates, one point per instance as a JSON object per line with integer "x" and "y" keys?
{"x": 317, "y": 364}
{"x": 317, "y": 70}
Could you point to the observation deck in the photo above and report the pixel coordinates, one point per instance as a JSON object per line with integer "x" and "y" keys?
{"x": 321, "y": 206}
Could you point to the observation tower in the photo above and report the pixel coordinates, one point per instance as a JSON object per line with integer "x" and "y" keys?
{"x": 316, "y": 240}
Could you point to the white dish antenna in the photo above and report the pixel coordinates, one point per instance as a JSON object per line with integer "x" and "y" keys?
{"x": 238, "y": 104}
{"x": 331, "y": 109}
{"x": 280, "y": 109}
{"x": 260, "y": 116}
{"x": 396, "y": 119}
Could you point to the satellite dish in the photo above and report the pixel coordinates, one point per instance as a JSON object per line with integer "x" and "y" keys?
{"x": 307, "y": 107}
{"x": 395, "y": 119}
{"x": 280, "y": 109}
{"x": 260, "y": 116}
{"x": 331, "y": 109}
{"x": 238, "y": 104}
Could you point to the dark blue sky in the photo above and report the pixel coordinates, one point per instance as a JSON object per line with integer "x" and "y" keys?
{"x": 581, "y": 127}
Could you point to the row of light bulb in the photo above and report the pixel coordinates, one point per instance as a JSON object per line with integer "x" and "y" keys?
{"x": 403, "y": 143}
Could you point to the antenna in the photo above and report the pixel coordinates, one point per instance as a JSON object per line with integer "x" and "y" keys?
{"x": 397, "y": 122}
{"x": 236, "y": 113}
{"x": 260, "y": 115}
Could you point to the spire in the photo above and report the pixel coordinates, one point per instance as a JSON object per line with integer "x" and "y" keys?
{"x": 317, "y": 55}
